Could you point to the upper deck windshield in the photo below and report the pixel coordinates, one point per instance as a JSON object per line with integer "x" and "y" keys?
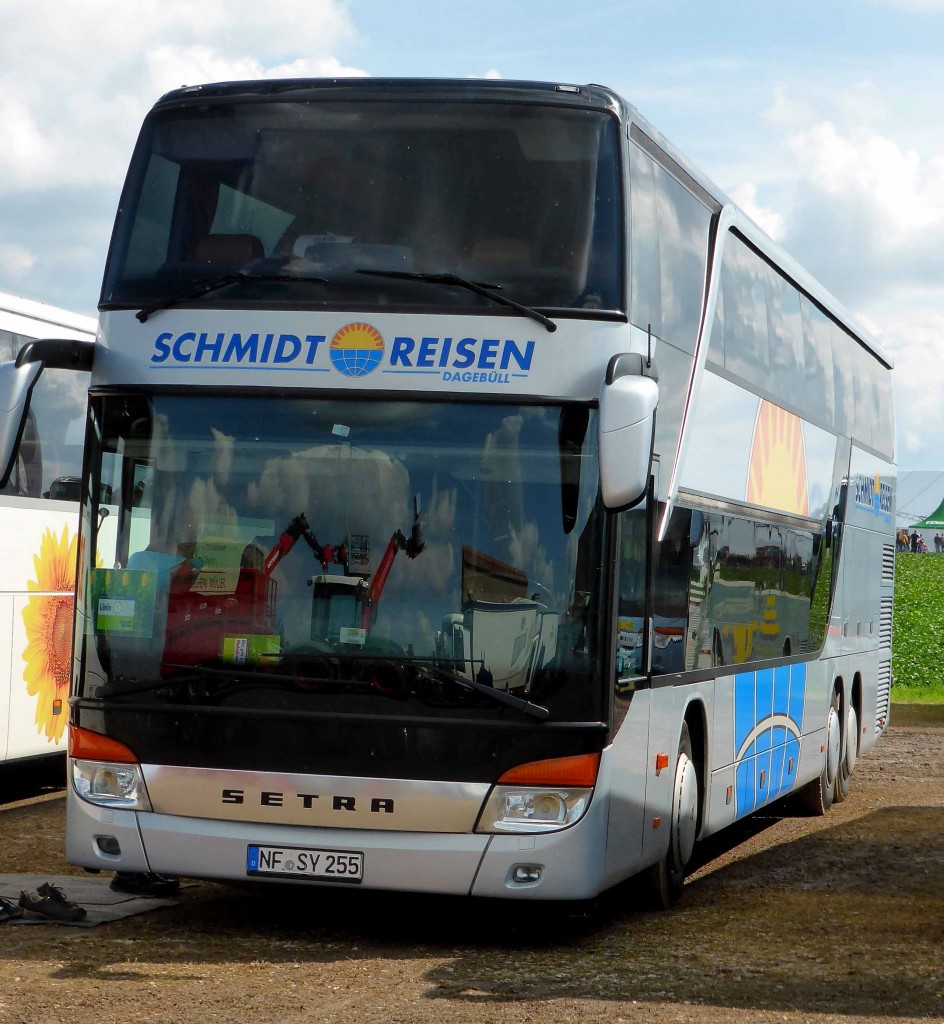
{"x": 395, "y": 559}
{"x": 301, "y": 198}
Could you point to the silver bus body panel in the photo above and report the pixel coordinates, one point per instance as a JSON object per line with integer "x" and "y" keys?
{"x": 571, "y": 860}
{"x": 271, "y": 798}
{"x": 463, "y": 356}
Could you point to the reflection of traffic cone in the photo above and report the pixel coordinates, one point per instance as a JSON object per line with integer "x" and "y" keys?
{"x": 770, "y": 626}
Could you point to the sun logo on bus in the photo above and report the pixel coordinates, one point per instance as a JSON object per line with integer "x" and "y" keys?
{"x": 356, "y": 350}
{"x": 777, "y": 472}
{"x": 48, "y": 622}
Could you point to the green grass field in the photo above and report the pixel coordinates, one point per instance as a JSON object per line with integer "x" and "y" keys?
{"x": 918, "y": 643}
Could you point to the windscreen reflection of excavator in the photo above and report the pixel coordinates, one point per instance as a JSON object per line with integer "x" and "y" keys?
{"x": 344, "y": 605}
{"x": 230, "y": 613}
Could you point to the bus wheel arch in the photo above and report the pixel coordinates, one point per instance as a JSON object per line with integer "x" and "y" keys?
{"x": 664, "y": 880}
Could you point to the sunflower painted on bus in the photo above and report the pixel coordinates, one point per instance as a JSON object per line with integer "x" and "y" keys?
{"x": 48, "y": 621}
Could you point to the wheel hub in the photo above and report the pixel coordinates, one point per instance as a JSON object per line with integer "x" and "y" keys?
{"x": 833, "y": 746}
{"x": 686, "y": 809}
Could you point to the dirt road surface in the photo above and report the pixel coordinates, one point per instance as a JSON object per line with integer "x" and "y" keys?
{"x": 788, "y": 919}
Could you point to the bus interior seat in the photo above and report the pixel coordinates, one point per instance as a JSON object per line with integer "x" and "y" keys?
{"x": 511, "y": 262}
{"x": 228, "y": 250}
{"x": 497, "y": 254}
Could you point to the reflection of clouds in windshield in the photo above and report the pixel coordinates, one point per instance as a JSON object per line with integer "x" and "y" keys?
{"x": 207, "y": 506}
{"x": 341, "y": 490}
{"x": 527, "y": 554}
{"x": 501, "y": 473}
{"x": 433, "y": 572}
{"x": 223, "y": 446}
{"x": 439, "y": 517}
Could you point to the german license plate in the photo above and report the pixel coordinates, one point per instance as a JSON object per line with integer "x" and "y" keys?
{"x": 294, "y": 862}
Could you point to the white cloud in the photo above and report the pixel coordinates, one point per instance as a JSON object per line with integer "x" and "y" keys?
{"x": 76, "y": 80}
{"x": 75, "y": 100}
{"x": 16, "y": 262}
{"x": 745, "y": 195}
{"x": 895, "y": 187}
{"x": 916, "y": 341}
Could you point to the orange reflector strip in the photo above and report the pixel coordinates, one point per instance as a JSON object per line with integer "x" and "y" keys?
{"x": 557, "y": 771}
{"x": 662, "y": 761}
{"x": 57, "y": 706}
{"x": 96, "y": 747}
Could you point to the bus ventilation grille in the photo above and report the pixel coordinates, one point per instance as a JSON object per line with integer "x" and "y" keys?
{"x": 883, "y": 695}
{"x": 888, "y": 565}
{"x": 885, "y": 623}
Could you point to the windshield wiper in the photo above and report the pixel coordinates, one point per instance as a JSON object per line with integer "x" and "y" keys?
{"x": 501, "y": 697}
{"x": 490, "y": 291}
{"x": 211, "y": 284}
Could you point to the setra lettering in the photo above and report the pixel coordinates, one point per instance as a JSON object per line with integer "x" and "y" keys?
{"x": 276, "y": 798}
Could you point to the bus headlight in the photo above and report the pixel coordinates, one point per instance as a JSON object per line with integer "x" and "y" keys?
{"x": 109, "y": 784}
{"x": 515, "y": 809}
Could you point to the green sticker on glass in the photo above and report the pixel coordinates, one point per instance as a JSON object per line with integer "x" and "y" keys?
{"x": 122, "y": 601}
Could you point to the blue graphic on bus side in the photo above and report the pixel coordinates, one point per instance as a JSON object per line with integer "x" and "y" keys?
{"x": 768, "y": 725}
{"x": 873, "y": 495}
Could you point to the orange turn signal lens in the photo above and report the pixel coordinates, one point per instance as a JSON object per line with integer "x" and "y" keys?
{"x": 93, "y": 746}
{"x": 557, "y": 771}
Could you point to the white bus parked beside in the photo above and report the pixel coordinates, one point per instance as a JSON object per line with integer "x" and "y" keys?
{"x": 39, "y": 519}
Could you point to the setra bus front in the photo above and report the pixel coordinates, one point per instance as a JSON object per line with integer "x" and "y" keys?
{"x": 344, "y": 613}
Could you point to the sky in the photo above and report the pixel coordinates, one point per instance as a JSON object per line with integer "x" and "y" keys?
{"x": 821, "y": 119}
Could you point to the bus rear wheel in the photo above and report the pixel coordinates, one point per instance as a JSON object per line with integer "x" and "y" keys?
{"x": 816, "y": 797}
{"x": 849, "y": 756}
{"x": 663, "y": 881}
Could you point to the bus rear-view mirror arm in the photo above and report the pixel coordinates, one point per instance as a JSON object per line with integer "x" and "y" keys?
{"x": 628, "y": 400}
{"x": 17, "y": 380}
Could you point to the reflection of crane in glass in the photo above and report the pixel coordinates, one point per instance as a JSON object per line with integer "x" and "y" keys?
{"x": 345, "y": 604}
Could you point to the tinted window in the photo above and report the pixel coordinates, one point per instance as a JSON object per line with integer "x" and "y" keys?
{"x": 49, "y": 463}
{"x": 520, "y": 196}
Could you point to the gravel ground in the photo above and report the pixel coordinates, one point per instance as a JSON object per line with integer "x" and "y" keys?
{"x": 787, "y": 919}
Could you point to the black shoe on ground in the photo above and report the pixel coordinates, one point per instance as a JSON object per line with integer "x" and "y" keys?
{"x": 144, "y": 883}
{"x": 9, "y": 910}
{"x": 50, "y": 901}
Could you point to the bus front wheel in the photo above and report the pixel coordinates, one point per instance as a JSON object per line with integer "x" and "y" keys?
{"x": 664, "y": 880}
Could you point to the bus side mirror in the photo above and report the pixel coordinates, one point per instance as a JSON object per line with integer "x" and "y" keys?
{"x": 628, "y": 401}
{"x": 16, "y": 385}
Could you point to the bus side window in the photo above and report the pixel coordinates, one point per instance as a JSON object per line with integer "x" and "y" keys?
{"x": 27, "y": 476}
{"x": 671, "y": 597}
{"x": 631, "y": 607}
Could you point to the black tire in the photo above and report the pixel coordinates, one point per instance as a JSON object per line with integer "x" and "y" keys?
{"x": 848, "y": 756}
{"x": 816, "y": 797}
{"x": 662, "y": 883}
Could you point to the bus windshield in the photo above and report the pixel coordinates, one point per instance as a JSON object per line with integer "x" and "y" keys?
{"x": 345, "y": 556}
{"x": 313, "y": 204}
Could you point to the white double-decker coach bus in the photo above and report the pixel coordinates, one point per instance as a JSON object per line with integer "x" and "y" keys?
{"x": 474, "y": 500}
{"x": 39, "y": 519}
